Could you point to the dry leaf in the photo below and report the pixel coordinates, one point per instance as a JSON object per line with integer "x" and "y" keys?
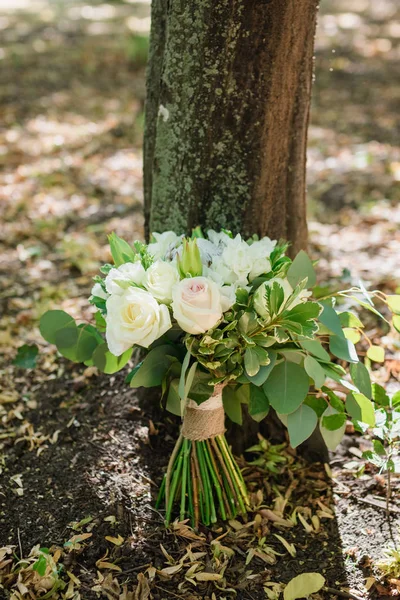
{"x": 203, "y": 576}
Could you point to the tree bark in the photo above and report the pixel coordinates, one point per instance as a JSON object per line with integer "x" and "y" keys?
{"x": 228, "y": 96}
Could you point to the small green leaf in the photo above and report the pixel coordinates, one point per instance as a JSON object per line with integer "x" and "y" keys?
{"x": 26, "y": 356}
{"x": 352, "y": 334}
{"x": 318, "y": 405}
{"x": 330, "y": 319}
{"x": 258, "y": 403}
{"x": 361, "y": 408}
{"x": 121, "y": 251}
{"x": 232, "y": 405}
{"x": 349, "y": 319}
{"x": 315, "y": 348}
{"x": 301, "y": 423}
{"x": 332, "y": 437}
{"x": 315, "y": 371}
{"x": 107, "y": 362}
{"x": 52, "y": 321}
{"x": 40, "y": 565}
{"x": 251, "y": 362}
{"x": 154, "y": 366}
{"x": 301, "y": 268}
{"x": 394, "y": 304}
{"x": 376, "y": 354}
{"x": 334, "y": 421}
{"x": 286, "y": 387}
{"x": 360, "y": 376}
{"x": 343, "y": 348}
{"x": 173, "y": 404}
{"x": 379, "y": 448}
{"x": 396, "y": 323}
{"x": 264, "y": 372}
{"x": 379, "y": 395}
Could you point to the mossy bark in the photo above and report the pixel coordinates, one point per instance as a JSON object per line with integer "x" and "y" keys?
{"x": 228, "y": 95}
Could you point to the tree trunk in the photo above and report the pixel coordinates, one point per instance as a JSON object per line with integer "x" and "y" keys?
{"x": 228, "y": 96}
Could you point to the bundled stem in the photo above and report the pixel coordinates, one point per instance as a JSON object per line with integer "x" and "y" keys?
{"x": 204, "y": 478}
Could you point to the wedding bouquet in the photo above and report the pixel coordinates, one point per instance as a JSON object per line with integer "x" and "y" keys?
{"x": 222, "y": 322}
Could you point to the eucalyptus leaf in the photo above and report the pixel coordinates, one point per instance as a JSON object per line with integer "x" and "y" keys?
{"x": 286, "y": 387}
{"x": 361, "y": 408}
{"x": 315, "y": 371}
{"x": 107, "y": 362}
{"x": 301, "y": 423}
{"x": 232, "y": 405}
{"x": 360, "y": 375}
{"x": 332, "y": 438}
{"x": 301, "y": 268}
{"x": 52, "y": 321}
{"x": 343, "y": 348}
{"x": 258, "y": 403}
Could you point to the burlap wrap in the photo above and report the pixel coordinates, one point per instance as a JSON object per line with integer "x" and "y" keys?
{"x": 206, "y": 420}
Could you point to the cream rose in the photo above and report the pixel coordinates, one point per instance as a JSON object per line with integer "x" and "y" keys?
{"x": 118, "y": 280}
{"x": 259, "y": 297}
{"x": 134, "y": 318}
{"x": 164, "y": 244}
{"x": 196, "y": 304}
{"x": 160, "y": 279}
{"x": 98, "y": 292}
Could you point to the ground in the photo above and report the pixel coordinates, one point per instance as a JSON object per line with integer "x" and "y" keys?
{"x": 81, "y": 455}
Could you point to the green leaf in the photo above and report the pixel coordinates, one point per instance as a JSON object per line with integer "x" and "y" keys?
{"x": 100, "y": 321}
{"x": 232, "y": 405}
{"x": 251, "y": 362}
{"x": 258, "y": 403}
{"x": 121, "y": 251}
{"x": 331, "y": 437}
{"x": 330, "y": 319}
{"x": 26, "y": 356}
{"x": 315, "y": 347}
{"x": 264, "y": 372}
{"x": 379, "y": 448}
{"x": 379, "y": 395}
{"x": 154, "y": 366}
{"x": 248, "y": 323}
{"x": 301, "y": 268}
{"x": 394, "y": 304}
{"x": 107, "y": 362}
{"x": 334, "y": 400}
{"x": 360, "y": 408}
{"x": 303, "y": 312}
{"x": 40, "y": 565}
{"x": 396, "y": 323}
{"x": 360, "y": 375}
{"x": 343, "y": 348}
{"x": 201, "y": 390}
{"x": 349, "y": 319}
{"x": 334, "y": 421}
{"x": 185, "y": 365}
{"x": 173, "y": 404}
{"x": 301, "y": 423}
{"x": 286, "y": 387}
{"x": 315, "y": 371}
{"x": 77, "y": 343}
{"x": 318, "y": 405}
{"x": 303, "y": 586}
{"x": 376, "y": 354}
{"x": 52, "y": 321}
{"x": 352, "y": 334}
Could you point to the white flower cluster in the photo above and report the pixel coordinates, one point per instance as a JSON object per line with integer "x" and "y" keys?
{"x": 141, "y": 304}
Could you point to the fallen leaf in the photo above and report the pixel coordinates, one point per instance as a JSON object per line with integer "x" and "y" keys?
{"x": 303, "y": 585}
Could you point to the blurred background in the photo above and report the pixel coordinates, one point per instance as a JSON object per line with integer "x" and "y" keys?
{"x": 72, "y": 87}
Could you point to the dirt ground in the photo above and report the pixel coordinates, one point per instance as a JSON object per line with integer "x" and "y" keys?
{"x": 81, "y": 455}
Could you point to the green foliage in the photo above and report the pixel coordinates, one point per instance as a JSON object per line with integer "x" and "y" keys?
{"x": 107, "y": 362}
{"x": 152, "y": 370}
{"x": 121, "y": 251}
{"x": 26, "y": 356}
{"x": 300, "y": 269}
{"x": 301, "y": 423}
{"x": 286, "y": 387}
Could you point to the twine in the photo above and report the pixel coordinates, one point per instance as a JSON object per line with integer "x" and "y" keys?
{"x": 206, "y": 420}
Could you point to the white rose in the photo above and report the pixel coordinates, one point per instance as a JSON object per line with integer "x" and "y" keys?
{"x": 165, "y": 243}
{"x": 97, "y": 290}
{"x": 126, "y": 275}
{"x": 259, "y": 297}
{"x": 238, "y": 258}
{"x": 134, "y": 318}
{"x": 196, "y": 304}
{"x": 259, "y": 253}
{"x": 159, "y": 280}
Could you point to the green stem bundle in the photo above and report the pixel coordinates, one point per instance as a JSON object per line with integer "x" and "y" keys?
{"x": 204, "y": 479}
